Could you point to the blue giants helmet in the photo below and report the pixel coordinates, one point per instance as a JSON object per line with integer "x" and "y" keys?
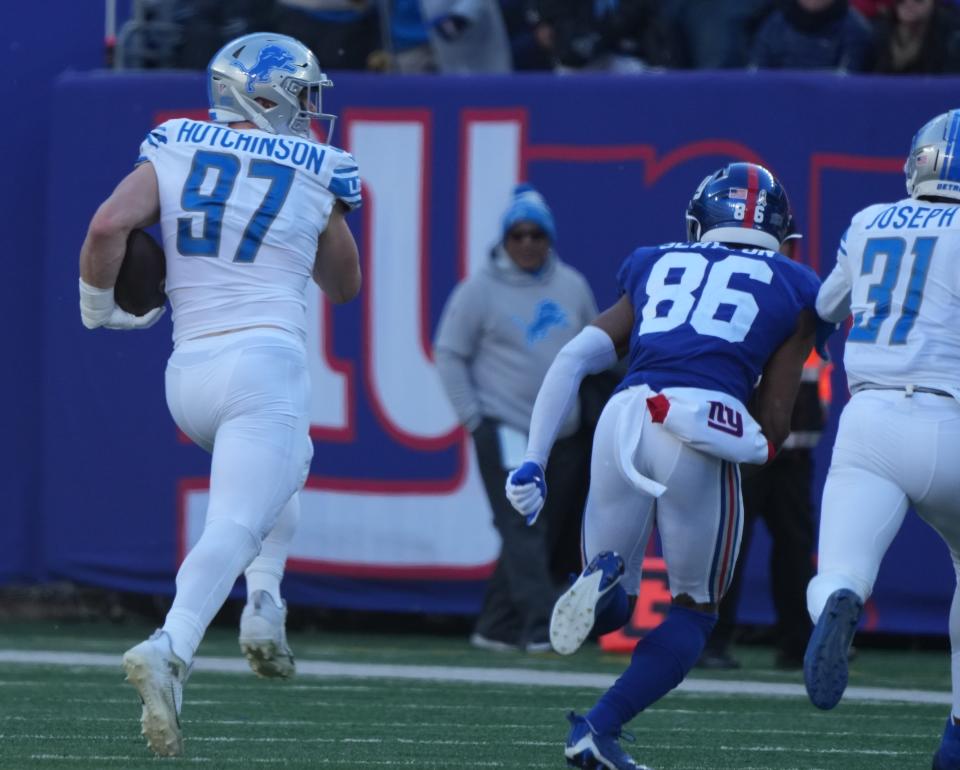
{"x": 740, "y": 203}
{"x": 932, "y": 167}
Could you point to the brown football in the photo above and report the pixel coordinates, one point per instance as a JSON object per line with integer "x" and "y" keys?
{"x": 139, "y": 286}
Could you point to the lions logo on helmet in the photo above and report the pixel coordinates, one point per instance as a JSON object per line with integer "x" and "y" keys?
{"x": 933, "y": 168}
{"x": 741, "y": 203}
{"x": 271, "y": 80}
{"x": 270, "y": 58}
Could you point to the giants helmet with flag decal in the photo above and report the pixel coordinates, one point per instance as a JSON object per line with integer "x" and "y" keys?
{"x": 932, "y": 167}
{"x": 741, "y": 203}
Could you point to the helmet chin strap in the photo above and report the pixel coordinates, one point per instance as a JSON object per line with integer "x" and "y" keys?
{"x": 252, "y": 115}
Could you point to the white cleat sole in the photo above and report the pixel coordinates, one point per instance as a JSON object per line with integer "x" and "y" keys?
{"x": 573, "y": 614}
{"x": 267, "y": 659}
{"x": 159, "y": 721}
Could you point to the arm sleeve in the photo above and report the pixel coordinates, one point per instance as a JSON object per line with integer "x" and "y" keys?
{"x": 345, "y": 181}
{"x": 833, "y": 299}
{"x": 454, "y": 346}
{"x": 633, "y": 269}
{"x": 591, "y": 351}
{"x": 150, "y": 146}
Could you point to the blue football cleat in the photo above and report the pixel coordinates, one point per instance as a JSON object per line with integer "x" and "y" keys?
{"x": 825, "y": 663}
{"x": 948, "y": 755}
{"x": 591, "y": 751}
{"x": 575, "y": 611}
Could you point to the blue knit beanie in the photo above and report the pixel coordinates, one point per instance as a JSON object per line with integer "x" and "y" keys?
{"x": 528, "y": 205}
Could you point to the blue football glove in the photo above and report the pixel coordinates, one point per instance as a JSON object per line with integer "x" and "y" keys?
{"x": 527, "y": 491}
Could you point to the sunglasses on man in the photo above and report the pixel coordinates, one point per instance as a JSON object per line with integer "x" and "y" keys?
{"x": 520, "y": 234}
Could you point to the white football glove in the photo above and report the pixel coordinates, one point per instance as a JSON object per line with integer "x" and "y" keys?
{"x": 527, "y": 491}
{"x": 98, "y": 308}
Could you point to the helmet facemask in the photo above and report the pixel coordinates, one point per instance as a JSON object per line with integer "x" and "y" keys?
{"x": 308, "y": 98}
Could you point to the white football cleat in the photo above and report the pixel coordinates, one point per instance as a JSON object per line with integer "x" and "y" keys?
{"x": 158, "y": 674}
{"x": 263, "y": 637}
{"x": 575, "y": 611}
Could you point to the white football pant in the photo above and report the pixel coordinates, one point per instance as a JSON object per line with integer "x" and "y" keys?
{"x": 699, "y": 517}
{"x": 892, "y": 451}
{"x": 244, "y": 397}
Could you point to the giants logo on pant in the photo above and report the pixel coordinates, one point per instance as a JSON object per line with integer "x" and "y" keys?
{"x": 725, "y": 418}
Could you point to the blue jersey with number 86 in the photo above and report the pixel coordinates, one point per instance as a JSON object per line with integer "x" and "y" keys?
{"x": 709, "y": 316}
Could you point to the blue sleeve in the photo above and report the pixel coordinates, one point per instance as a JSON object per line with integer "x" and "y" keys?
{"x": 345, "y": 181}
{"x": 623, "y": 275}
{"x": 808, "y": 287}
{"x": 628, "y": 274}
{"x": 806, "y": 284}
{"x": 150, "y": 146}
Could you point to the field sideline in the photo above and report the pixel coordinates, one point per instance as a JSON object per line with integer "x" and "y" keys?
{"x": 389, "y": 701}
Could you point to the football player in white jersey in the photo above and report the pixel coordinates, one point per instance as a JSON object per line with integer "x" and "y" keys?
{"x": 251, "y": 208}
{"x": 898, "y": 443}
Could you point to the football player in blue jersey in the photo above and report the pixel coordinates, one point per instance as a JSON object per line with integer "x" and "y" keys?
{"x": 700, "y": 322}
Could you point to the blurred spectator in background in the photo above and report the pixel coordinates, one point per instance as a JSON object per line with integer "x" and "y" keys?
{"x": 468, "y": 36}
{"x": 207, "y": 25}
{"x": 715, "y": 35}
{"x": 814, "y": 34}
{"x": 613, "y": 35}
{"x": 498, "y": 335}
{"x": 405, "y": 39}
{"x": 341, "y": 33}
{"x": 780, "y": 494}
{"x": 526, "y": 51}
{"x": 872, "y": 8}
{"x": 917, "y": 37}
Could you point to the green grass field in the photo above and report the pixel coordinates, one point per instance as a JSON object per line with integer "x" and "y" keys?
{"x": 367, "y": 701}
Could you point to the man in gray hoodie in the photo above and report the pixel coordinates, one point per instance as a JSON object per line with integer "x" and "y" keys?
{"x": 498, "y": 335}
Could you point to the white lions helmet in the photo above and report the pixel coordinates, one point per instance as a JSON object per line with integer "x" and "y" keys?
{"x": 933, "y": 165}
{"x": 275, "y": 68}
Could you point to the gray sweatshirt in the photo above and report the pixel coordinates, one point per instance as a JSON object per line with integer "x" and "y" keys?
{"x": 500, "y": 331}
{"x": 482, "y": 47}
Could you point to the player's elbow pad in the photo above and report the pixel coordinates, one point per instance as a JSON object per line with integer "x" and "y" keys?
{"x": 590, "y": 352}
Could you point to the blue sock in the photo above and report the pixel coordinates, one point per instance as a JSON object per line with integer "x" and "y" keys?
{"x": 613, "y": 611}
{"x": 660, "y": 662}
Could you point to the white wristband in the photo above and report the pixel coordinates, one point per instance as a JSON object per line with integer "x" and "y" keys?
{"x": 96, "y": 305}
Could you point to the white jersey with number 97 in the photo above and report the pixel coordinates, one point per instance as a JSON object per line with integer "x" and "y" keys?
{"x": 898, "y": 273}
{"x": 241, "y": 212}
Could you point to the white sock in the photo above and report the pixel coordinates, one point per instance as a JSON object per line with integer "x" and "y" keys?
{"x": 266, "y": 570}
{"x": 204, "y": 582}
{"x": 266, "y": 578}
